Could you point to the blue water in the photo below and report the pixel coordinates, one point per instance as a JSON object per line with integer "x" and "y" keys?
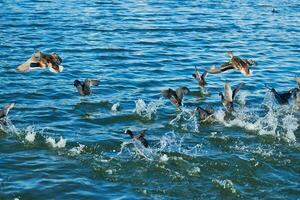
{"x": 135, "y": 49}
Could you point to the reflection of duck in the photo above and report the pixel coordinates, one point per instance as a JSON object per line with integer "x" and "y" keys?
{"x": 40, "y": 60}
{"x": 205, "y": 115}
{"x": 175, "y": 96}
{"x": 282, "y": 97}
{"x": 235, "y": 63}
{"x": 229, "y": 96}
{"x": 140, "y": 137}
{"x": 4, "y": 112}
{"x": 200, "y": 78}
{"x": 84, "y": 88}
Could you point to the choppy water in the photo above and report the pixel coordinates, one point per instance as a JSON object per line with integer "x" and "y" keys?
{"x": 63, "y": 146}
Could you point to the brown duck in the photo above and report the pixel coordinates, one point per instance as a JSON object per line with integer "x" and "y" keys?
{"x": 40, "y": 60}
{"x": 200, "y": 77}
{"x": 235, "y": 63}
{"x": 228, "y": 98}
{"x": 205, "y": 114}
{"x": 175, "y": 97}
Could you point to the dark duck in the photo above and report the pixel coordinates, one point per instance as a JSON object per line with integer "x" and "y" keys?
{"x": 175, "y": 97}
{"x": 140, "y": 137}
{"x": 84, "y": 87}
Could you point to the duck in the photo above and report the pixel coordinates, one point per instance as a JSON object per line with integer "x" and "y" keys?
{"x": 282, "y": 97}
{"x": 175, "y": 97}
{"x": 200, "y": 77}
{"x": 296, "y": 92}
{"x": 140, "y": 137}
{"x": 205, "y": 114}
{"x": 228, "y": 98}
{"x": 40, "y": 60}
{"x": 235, "y": 63}
{"x": 4, "y": 112}
{"x": 84, "y": 87}
{"x": 274, "y": 11}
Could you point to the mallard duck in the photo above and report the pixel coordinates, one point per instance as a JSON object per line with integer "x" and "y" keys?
{"x": 140, "y": 137}
{"x": 200, "y": 78}
{"x": 84, "y": 88}
{"x": 175, "y": 97}
{"x": 228, "y": 98}
{"x": 235, "y": 63}
{"x": 40, "y": 60}
{"x": 205, "y": 115}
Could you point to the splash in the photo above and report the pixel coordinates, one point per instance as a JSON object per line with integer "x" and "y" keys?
{"x": 115, "y": 107}
{"x": 30, "y": 134}
{"x": 77, "y": 150}
{"x": 60, "y": 144}
{"x": 147, "y": 111}
{"x": 186, "y": 120}
{"x": 278, "y": 121}
{"x": 225, "y": 184}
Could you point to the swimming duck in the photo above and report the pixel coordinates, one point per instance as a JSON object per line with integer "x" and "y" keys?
{"x": 40, "y": 60}
{"x": 140, "y": 137}
{"x": 200, "y": 78}
{"x": 235, "y": 63}
{"x": 175, "y": 96}
{"x": 6, "y": 109}
{"x": 84, "y": 88}
{"x": 229, "y": 96}
{"x": 205, "y": 115}
{"x": 282, "y": 97}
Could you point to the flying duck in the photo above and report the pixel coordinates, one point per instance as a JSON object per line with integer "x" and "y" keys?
{"x": 200, "y": 78}
{"x": 282, "y": 97}
{"x": 205, "y": 115}
{"x": 40, "y": 60}
{"x": 6, "y": 109}
{"x": 140, "y": 137}
{"x": 84, "y": 88}
{"x": 228, "y": 98}
{"x": 234, "y": 63}
{"x": 175, "y": 97}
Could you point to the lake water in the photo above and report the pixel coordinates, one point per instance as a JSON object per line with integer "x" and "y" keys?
{"x": 59, "y": 145}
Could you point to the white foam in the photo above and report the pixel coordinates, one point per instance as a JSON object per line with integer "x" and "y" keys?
{"x": 164, "y": 158}
{"x": 77, "y": 150}
{"x": 60, "y": 144}
{"x": 144, "y": 110}
{"x": 30, "y": 136}
{"x": 226, "y": 184}
{"x": 115, "y": 107}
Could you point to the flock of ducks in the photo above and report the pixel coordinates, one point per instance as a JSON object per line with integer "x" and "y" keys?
{"x": 53, "y": 62}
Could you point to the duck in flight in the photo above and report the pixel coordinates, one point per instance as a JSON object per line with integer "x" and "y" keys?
{"x": 140, "y": 137}
{"x": 282, "y": 97}
{"x": 40, "y": 60}
{"x": 4, "y": 112}
{"x": 175, "y": 97}
{"x": 235, "y": 63}
{"x": 205, "y": 114}
{"x": 200, "y": 77}
{"x": 84, "y": 88}
{"x": 228, "y": 98}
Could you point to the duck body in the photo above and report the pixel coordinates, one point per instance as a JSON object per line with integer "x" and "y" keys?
{"x": 176, "y": 96}
{"x": 140, "y": 137}
{"x": 228, "y": 99}
{"x": 84, "y": 87}
{"x": 40, "y": 60}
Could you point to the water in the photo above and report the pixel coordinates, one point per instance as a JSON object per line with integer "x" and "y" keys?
{"x": 63, "y": 146}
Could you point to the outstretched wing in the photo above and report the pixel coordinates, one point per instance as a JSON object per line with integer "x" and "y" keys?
{"x": 298, "y": 81}
{"x": 196, "y": 74}
{"x": 180, "y": 92}
{"x": 90, "y": 82}
{"x": 170, "y": 94}
{"x": 223, "y": 68}
{"x": 237, "y": 89}
{"x": 228, "y": 92}
{"x": 6, "y": 109}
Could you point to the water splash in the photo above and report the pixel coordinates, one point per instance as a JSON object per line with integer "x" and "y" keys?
{"x": 115, "y": 107}
{"x": 186, "y": 120}
{"x": 30, "y": 134}
{"x": 147, "y": 111}
{"x": 225, "y": 184}
{"x": 59, "y": 144}
{"x": 77, "y": 150}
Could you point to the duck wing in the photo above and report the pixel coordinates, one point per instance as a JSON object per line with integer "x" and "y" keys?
{"x": 170, "y": 94}
{"x": 237, "y": 89}
{"x": 228, "y": 92}
{"x": 224, "y": 67}
{"x": 6, "y": 110}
